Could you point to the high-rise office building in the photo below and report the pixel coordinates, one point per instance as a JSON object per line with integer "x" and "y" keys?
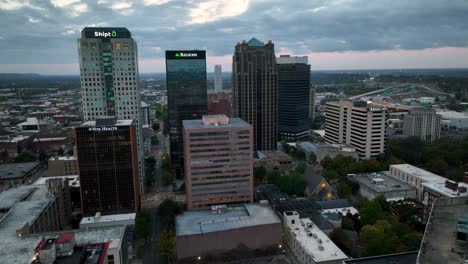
{"x": 186, "y": 95}
{"x": 218, "y": 79}
{"x": 108, "y": 165}
{"x": 293, "y": 97}
{"x": 423, "y": 123}
{"x": 255, "y": 90}
{"x": 312, "y": 102}
{"x": 218, "y": 161}
{"x": 357, "y": 124}
{"x": 109, "y": 78}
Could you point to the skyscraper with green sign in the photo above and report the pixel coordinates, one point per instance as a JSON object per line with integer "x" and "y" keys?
{"x": 187, "y": 96}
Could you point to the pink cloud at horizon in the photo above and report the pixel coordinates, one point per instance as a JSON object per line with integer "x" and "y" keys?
{"x": 444, "y": 57}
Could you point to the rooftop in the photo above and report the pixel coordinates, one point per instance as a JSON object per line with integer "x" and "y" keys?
{"x": 63, "y": 158}
{"x": 380, "y": 182}
{"x": 232, "y": 123}
{"x": 439, "y": 243}
{"x": 255, "y": 43}
{"x": 126, "y": 122}
{"x": 400, "y": 258}
{"x": 16, "y": 170}
{"x": 14, "y": 138}
{"x": 440, "y": 188}
{"x": 200, "y": 222}
{"x": 452, "y": 114}
{"x": 74, "y": 180}
{"x": 420, "y": 173}
{"x": 286, "y": 59}
{"x": 107, "y": 218}
{"x": 316, "y": 242}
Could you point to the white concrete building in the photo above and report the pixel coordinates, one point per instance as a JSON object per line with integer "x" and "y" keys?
{"x": 415, "y": 177}
{"x": 108, "y": 220}
{"x": 357, "y": 124}
{"x": 218, "y": 79}
{"x": 307, "y": 243}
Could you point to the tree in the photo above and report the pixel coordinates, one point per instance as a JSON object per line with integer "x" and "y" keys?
{"x": 167, "y": 212}
{"x": 343, "y": 189}
{"x": 166, "y": 243}
{"x": 70, "y": 152}
{"x": 24, "y": 156}
{"x": 60, "y": 152}
{"x": 154, "y": 141}
{"x": 141, "y": 226}
{"x": 167, "y": 177}
{"x": 299, "y": 154}
{"x": 4, "y": 155}
{"x": 379, "y": 238}
{"x": 371, "y": 211}
{"x": 260, "y": 174}
{"x": 156, "y": 126}
{"x": 312, "y": 158}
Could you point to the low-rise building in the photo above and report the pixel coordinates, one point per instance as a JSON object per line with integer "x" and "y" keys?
{"x": 307, "y": 243}
{"x": 414, "y": 176}
{"x": 445, "y": 237}
{"x": 220, "y": 231}
{"x": 374, "y": 184}
{"x": 12, "y": 174}
{"x": 62, "y": 166}
{"x": 454, "y": 119}
{"x": 273, "y": 160}
{"x": 28, "y": 210}
{"x": 107, "y": 220}
{"x": 322, "y": 150}
{"x": 434, "y": 190}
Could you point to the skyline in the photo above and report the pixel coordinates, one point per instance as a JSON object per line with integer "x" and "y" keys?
{"x": 40, "y": 35}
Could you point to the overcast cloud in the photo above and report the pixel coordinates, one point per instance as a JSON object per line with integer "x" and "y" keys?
{"x": 44, "y": 32}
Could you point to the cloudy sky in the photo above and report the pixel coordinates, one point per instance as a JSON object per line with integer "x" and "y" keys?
{"x": 39, "y": 36}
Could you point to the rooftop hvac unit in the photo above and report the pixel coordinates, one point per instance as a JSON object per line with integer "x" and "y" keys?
{"x": 321, "y": 248}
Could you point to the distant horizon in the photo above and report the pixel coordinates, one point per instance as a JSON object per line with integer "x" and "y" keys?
{"x": 212, "y": 72}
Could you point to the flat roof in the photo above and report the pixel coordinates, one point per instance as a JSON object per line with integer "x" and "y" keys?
{"x": 418, "y": 172}
{"x": 399, "y": 258}
{"x": 107, "y": 218}
{"x": 386, "y": 183}
{"x": 74, "y": 180}
{"x": 439, "y": 187}
{"x": 125, "y": 122}
{"x": 310, "y": 244}
{"x": 439, "y": 244}
{"x": 201, "y": 222}
{"x": 233, "y": 123}
{"x": 16, "y": 170}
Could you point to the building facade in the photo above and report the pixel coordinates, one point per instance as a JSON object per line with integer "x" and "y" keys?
{"x": 218, "y": 79}
{"x": 307, "y": 243}
{"x": 108, "y": 60}
{"x": 218, "y": 161}
{"x": 357, "y": 124}
{"x": 294, "y": 90}
{"x": 108, "y": 166}
{"x": 62, "y": 166}
{"x": 422, "y": 123}
{"x": 187, "y": 97}
{"x": 255, "y": 90}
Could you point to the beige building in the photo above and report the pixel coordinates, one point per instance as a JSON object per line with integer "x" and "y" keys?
{"x": 62, "y": 166}
{"x": 357, "y": 124}
{"x": 422, "y": 123}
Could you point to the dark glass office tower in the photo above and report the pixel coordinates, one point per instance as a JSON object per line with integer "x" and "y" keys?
{"x": 187, "y": 97}
{"x": 108, "y": 164}
{"x": 255, "y": 90}
{"x": 294, "y": 97}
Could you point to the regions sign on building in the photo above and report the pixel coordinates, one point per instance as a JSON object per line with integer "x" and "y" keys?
{"x": 185, "y": 54}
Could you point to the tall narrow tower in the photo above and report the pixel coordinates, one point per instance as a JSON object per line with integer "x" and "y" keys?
{"x": 186, "y": 95}
{"x": 255, "y": 90}
{"x": 218, "y": 79}
{"x": 108, "y": 60}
